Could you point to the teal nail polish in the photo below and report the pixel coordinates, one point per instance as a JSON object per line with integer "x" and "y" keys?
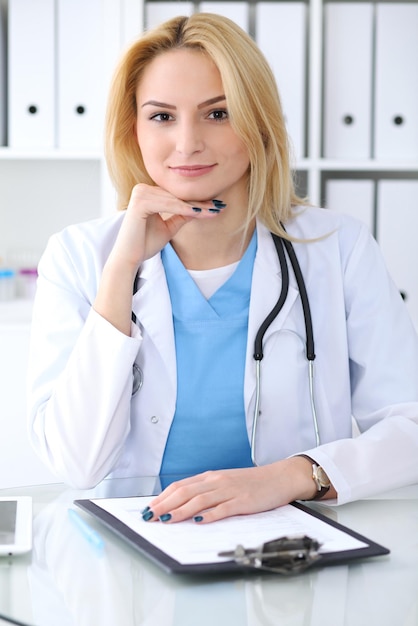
{"x": 219, "y": 204}
{"x": 196, "y": 209}
{"x": 198, "y": 518}
{"x": 145, "y": 510}
{"x": 166, "y": 517}
{"x": 214, "y": 210}
{"x": 147, "y": 516}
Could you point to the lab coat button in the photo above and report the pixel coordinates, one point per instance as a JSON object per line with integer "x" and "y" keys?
{"x": 154, "y": 419}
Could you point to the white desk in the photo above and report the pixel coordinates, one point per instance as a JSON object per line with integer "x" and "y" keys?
{"x": 65, "y": 581}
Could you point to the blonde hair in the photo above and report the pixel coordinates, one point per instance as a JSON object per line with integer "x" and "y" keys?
{"x": 253, "y": 105}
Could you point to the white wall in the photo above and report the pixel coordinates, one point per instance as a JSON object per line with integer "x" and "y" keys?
{"x": 19, "y": 464}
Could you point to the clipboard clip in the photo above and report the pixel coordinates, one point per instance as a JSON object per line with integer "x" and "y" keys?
{"x": 285, "y": 555}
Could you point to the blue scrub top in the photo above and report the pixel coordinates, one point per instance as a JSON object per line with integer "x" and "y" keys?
{"x": 209, "y": 430}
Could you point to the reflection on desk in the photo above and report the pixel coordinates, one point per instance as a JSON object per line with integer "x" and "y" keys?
{"x": 71, "y": 583}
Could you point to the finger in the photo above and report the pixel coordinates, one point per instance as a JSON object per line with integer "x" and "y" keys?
{"x": 200, "y": 209}
{"x": 176, "y": 485}
{"x": 192, "y": 509}
{"x": 206, "y": 508}
{"x": 174, "y": 223}
{"x": 211, "y": 207}
{"x": 148, "y": 200}
{"x": 183, "y": 498}
{"x": 223, "y": 510}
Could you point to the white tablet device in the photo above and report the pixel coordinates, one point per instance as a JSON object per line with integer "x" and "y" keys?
{"x": 15, "y": 525}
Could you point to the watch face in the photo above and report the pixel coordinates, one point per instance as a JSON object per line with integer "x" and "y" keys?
{"x": 322, "y": 477}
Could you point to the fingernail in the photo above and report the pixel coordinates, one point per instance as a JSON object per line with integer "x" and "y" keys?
{"x": 166, "y": 517}
{"x": 147, "y": 516}
{"x": 214, "y": 210}
{"x": 219, "y": 204}
{"x": 145, "y": 510}
{"x": 198, "y": 518}
{"x": 196, "y": 209}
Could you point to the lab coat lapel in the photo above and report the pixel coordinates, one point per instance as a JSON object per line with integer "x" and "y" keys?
{"x": 152, "y": 306}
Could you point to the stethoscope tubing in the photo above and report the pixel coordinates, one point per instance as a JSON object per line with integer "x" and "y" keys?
{"x": 283, "y": 245}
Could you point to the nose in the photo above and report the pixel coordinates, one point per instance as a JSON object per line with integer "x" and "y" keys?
{"x": 189, "y": 139}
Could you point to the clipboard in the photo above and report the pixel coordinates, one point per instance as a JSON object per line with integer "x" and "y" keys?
{"x": 118, "y": 515}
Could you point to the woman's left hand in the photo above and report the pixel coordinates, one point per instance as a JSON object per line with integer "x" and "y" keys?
{"x": 218, "y": 494}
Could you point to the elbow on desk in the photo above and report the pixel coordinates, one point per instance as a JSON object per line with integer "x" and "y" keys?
{"x": 81, "y": 465}
{"x": 78, "y": 476}
{"x": 75, "y": 472}
{"x": 80, "y": 471}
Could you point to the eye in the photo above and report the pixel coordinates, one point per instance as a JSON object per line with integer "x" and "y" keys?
{"x": 161, "y": 117}
{"x": 219, "y": 115}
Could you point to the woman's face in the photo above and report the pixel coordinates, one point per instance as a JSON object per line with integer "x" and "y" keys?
{"x": 187, "y": 143}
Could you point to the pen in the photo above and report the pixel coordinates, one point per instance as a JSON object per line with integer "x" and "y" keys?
{"x": 88, "y": 533}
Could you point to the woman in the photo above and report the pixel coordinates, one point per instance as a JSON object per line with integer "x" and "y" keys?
{"x": 164, "y": 381}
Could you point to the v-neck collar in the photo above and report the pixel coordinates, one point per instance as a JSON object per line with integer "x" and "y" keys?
{"x": 231, "y": 300}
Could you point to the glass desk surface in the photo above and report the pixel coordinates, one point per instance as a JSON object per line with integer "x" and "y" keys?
{"x": 64, "y": 581}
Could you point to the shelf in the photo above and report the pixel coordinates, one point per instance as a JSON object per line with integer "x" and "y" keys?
{"x": 16, "y": 313}
{"x": 7, "y": 154}
{"x": 367, "y": 166}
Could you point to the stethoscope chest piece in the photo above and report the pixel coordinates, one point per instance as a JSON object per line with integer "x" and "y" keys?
{"x": 138, "y": 378}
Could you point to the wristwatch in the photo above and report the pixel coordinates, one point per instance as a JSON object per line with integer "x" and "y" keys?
{"x": 320, "y": 478}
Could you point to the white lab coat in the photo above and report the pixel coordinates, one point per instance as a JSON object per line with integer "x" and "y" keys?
{"x": 86, "y": 424}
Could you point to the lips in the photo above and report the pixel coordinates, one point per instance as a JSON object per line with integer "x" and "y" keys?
{"x": 192, "y": 170}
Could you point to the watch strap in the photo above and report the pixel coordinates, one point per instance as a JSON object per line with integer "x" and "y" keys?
{"x": 322, "y": 486}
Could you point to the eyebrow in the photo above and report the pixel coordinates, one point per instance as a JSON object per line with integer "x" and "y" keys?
{"x": 165, "y": 105}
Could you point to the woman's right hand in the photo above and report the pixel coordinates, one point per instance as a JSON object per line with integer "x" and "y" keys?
{"x": 152, "y": 219}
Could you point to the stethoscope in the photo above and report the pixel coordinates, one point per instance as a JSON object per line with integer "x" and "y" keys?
{"x": 282, "y": 246}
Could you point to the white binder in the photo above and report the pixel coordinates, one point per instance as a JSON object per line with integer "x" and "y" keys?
{"x": 348, "y": 77}
{"x": 157, "y": 12}
{"x": 3, "y": 90}
{"x": 396, "y": 121}
{"x": 238, "y": 12}
{"x": 397, "y": 226}
{"x": 31, "y": 70}
{"x": 132, "y": 16}
{"x": 281, "y": 34}
{"x": 80, "y": 93}
{"x": 352, "y": 196}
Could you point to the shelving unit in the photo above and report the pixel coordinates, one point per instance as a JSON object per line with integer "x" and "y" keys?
{"x": 42, "y": 191}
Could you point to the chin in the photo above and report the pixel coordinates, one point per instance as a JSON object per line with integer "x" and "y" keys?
{"x": 193, "y": 195}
